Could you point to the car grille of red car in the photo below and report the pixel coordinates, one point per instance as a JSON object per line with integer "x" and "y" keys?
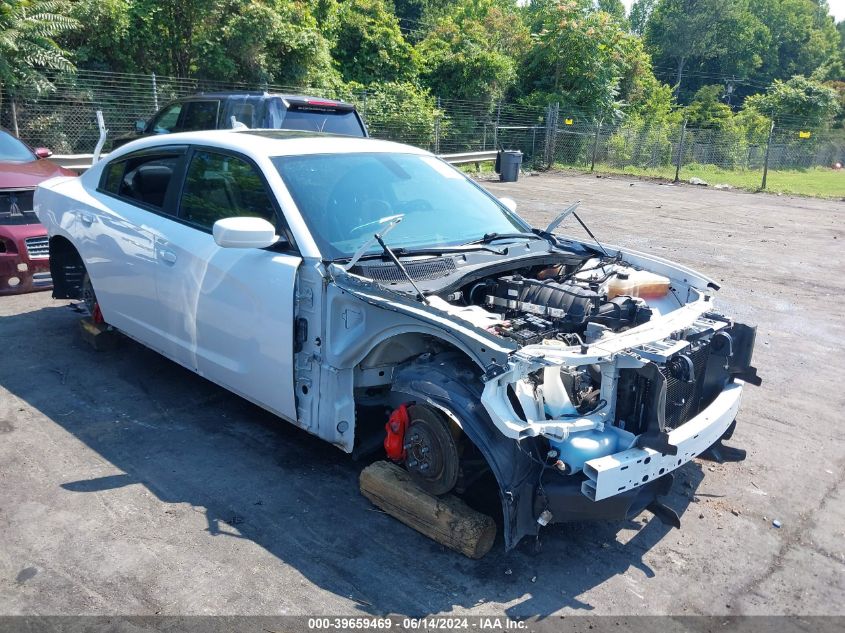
{"x": 38, "y": 247}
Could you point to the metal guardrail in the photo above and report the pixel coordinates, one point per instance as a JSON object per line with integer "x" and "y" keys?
{"x": 81, "y": 162}
{"x": 74, "y": 162}
{"x": 464, "y": 158}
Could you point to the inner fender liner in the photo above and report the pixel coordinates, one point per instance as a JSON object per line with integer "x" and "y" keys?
{"x": 66, "y": 269}
{"x": 450, "y": 380}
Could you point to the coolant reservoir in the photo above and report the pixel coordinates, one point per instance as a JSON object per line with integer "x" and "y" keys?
{"x": 555, "y": 398}
{"x": 583, "y": 446}
{"x": 637, "y": 283}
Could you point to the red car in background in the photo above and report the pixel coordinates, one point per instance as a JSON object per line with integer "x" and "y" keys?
{"x": 24, "y": 254}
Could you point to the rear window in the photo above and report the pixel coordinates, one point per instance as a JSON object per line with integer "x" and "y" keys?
{"x": 141, "y": 178}
{"x": 321, "y": 119}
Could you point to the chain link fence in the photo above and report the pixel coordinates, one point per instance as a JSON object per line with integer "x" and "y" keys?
{"x": 747, "y": 157}
{"x": 553, "y": 136}
{"x": 64, "y": 119}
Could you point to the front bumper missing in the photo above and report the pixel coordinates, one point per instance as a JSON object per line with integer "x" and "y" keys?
{"x": 635, "y": 467}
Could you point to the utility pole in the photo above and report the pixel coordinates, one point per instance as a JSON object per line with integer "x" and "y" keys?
{"x": 766, "y": 162}
{"x": 680, "y": 151}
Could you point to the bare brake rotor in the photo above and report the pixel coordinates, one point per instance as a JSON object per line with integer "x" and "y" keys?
{"x": 88, "y": 297}
{"x": 432, "y": 453}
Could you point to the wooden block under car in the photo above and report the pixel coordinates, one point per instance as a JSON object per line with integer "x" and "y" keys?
{"x": 100, "y": 336}
{"x": 447, "y": 520}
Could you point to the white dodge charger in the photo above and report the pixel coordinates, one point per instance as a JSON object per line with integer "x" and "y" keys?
{"x": 374, "y": 296}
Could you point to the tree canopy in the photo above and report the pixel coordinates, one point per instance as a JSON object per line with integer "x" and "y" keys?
{"x": 27, "y": 42}
{"x": 717, "y": 58}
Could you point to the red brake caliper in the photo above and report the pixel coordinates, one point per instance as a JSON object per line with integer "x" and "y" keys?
{"x": 394, "y": 441}
{"x": 97, "y": 316}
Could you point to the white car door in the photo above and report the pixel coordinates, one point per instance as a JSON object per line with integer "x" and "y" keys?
{"x": 228, "y": 311}
{"x": 116, "y": 235}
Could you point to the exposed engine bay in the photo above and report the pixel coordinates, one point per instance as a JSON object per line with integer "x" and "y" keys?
{"x": 569, "y": 304}
{"x": 605, "y": 370}
{"x": 596, "y": 408}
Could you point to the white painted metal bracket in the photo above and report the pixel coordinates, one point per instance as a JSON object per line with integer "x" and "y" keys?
{"x": 614, "y": 474}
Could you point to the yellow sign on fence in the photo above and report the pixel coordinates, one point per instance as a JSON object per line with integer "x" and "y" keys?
{"x": 803, "y": 134}
{"x": 568, "y": 121}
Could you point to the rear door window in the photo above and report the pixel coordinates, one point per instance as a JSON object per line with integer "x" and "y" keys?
{"x": 142, "y": 179}
{"x": 199, "y": 115}
{"x": 221, "y": 186}
{"x": 245, "y": 110}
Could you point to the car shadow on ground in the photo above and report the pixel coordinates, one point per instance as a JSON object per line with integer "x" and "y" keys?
{"x": 258, "y": 478}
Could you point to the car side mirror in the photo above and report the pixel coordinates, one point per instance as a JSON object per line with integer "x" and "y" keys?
{"x": 140, "y": 126}
{"x": 43, "y": 152}
{"x": 509, "y": 203}
{"x": 244, "y": 232}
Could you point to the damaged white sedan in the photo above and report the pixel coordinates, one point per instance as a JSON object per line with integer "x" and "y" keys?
{"x": 374, "y": 296}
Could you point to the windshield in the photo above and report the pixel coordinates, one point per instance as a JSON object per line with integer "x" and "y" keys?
{"x": 13, "y": 151}
{"x": 16, "y": 207}
{"x": 345, "y": 198}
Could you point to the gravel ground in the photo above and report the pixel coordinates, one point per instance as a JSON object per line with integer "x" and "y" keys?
{"x": 130, "y": 486}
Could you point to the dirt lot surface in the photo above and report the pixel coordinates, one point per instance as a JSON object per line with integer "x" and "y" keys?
{"x": 130, "y": 486}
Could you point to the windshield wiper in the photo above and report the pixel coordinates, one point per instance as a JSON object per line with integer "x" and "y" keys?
{"x": 392, "y": 256}
{"x": 391, "y": 221}
{"x": 402, "y": 251}
{"x": 492, "y": 237}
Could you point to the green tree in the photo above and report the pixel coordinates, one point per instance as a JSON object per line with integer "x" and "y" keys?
{"x": 399, "y": 110}
{"x": 640, "y": 14}
{"x": 28, "y": 29}
{"x": 276, "y": 41}
{"x": 707, "y": 108}
{"x": 584, "y": 58}
{"x": 682, "y": 33}
{"x": 803, "y": 37}
{"x": 101, "y": 38}
{"x": 798, "y": 101}
{"x": 368, "y": 45}
{"x": 473, "y": 52}
{"x": 613, "y": 7}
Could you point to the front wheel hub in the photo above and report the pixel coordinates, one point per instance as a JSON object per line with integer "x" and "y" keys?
{"x": 431, "y": 451}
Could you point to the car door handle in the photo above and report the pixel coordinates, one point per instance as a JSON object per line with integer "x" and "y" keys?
{"x": 86, "y": 218}
{"x": 167, "y": 256}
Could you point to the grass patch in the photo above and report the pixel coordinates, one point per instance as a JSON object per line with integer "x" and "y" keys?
{"x": 818, "y": 182}
{"x": 483, "y": 168}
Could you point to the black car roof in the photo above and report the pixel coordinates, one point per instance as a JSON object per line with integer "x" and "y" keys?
{"x": 257, "y": 93}
{"x": 288, "y": 134}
